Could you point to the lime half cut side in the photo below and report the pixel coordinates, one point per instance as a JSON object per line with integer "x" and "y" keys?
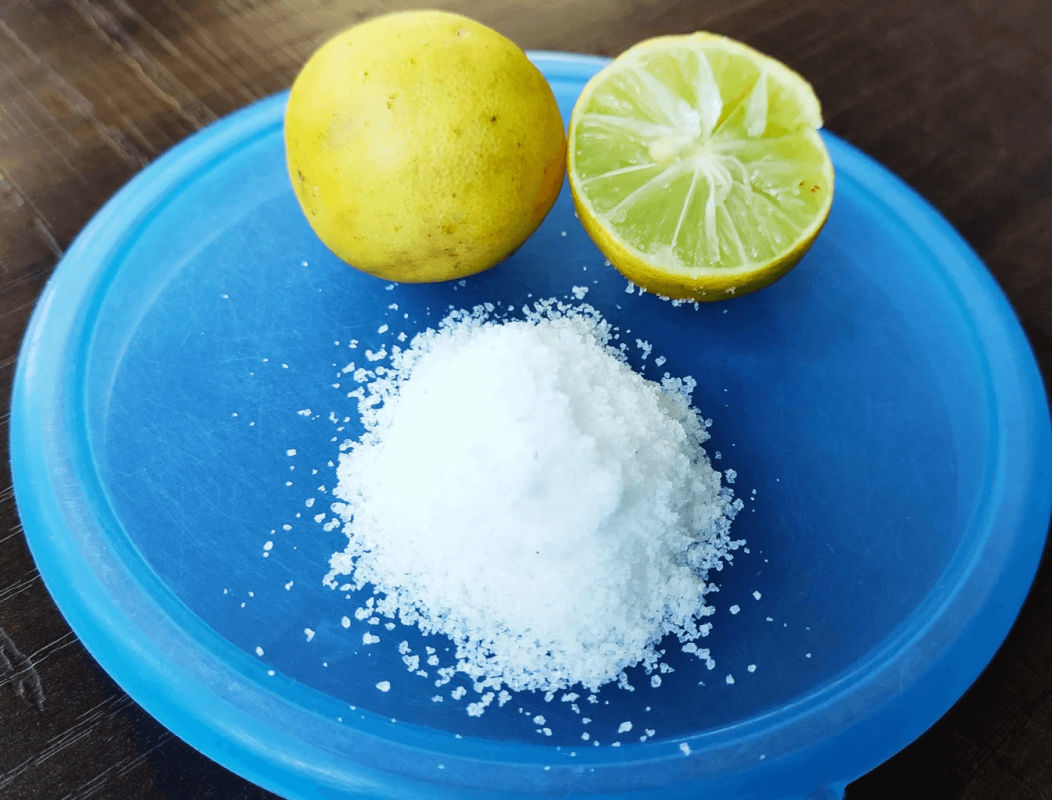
{"x": 696, "y": 166}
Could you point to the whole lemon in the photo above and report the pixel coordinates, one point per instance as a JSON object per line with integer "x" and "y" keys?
{"x": 423, "y": 146}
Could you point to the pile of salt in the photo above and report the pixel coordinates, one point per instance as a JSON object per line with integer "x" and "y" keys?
{"x": 522, "y": 490}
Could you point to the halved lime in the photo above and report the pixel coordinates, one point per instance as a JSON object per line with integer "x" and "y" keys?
{"x": 696, "y": 166}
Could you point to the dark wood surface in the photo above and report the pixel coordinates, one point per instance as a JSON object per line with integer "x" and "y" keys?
{"x": 953, "y": 95}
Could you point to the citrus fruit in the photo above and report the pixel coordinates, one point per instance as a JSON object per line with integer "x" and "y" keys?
{"x": 423, "y": 146}
{"x": 697, "y": 168}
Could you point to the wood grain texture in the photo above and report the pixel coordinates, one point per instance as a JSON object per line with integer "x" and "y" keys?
{"x": 953, "y": 95}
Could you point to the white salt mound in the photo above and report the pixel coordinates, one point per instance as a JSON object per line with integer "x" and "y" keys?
{"x": 522, "y": 490}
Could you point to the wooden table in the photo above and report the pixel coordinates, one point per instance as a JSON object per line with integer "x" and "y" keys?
{"x": 953, "y": 95}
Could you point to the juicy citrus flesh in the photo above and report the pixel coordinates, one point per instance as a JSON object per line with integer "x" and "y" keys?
{"x": 423, "y": 146}
{"x": 696, "y": 166}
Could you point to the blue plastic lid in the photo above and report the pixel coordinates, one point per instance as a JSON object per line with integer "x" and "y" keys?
{"x": 881, "y": 400}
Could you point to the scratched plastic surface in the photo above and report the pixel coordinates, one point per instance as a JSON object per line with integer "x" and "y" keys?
{"x": 182, "y": 397}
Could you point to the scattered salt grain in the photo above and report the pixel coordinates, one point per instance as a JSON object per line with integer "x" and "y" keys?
{"x": 685, "y": 748}
{"x": 309, "y": 633}
{"x": 734, "y": 609}
{"x": 368, "y": 638}
{"x": 624, "y": 727}
{"x": 757, "y": 595}
{"x": 751, "y": 668}
{"x": 384, "y": 686}
{"x": 345, "y": 622}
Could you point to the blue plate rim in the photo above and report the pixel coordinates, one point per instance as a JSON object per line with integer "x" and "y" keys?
{"x": 111, "y": 633}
